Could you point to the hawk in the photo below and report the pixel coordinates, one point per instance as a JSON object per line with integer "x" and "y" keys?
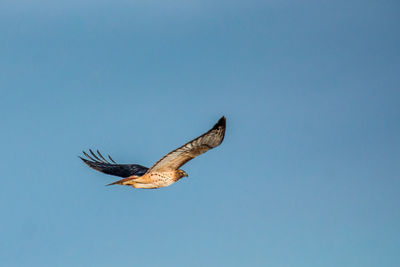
{"x": 166, "y": 171}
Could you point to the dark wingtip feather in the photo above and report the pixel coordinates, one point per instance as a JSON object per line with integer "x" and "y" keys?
{"x": 83, "y": 159}
{"x": 89, "y": 163}
{"x": 111, "y": 159}
{"x": 104, "y": 160}
{"x": 89, "y": 157}
{"x": 221, "y": 123}
{"x": 95, "y": 156}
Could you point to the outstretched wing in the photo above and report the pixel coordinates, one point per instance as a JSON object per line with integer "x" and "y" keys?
{"x": 196, "y": 147}
{"x": 99, "y": 163}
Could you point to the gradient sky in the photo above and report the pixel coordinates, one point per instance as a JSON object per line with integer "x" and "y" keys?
{"x": 308, "y": 174}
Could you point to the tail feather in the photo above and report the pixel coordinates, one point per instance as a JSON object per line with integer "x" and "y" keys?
{"x": 122, "y": 181}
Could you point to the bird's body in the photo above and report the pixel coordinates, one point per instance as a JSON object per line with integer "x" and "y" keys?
{"x": 152, "y": 180}
{"x": 166, "y": 171}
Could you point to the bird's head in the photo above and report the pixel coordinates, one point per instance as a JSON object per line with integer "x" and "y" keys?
{"x": 182, "y": 174}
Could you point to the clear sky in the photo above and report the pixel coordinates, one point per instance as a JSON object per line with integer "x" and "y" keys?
{"x": 308, "y": 174}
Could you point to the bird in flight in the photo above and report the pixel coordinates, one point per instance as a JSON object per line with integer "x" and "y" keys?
{"x": 166, "y": 171}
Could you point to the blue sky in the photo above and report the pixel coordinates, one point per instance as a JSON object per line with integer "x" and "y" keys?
{"x": 308, "y": 174}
